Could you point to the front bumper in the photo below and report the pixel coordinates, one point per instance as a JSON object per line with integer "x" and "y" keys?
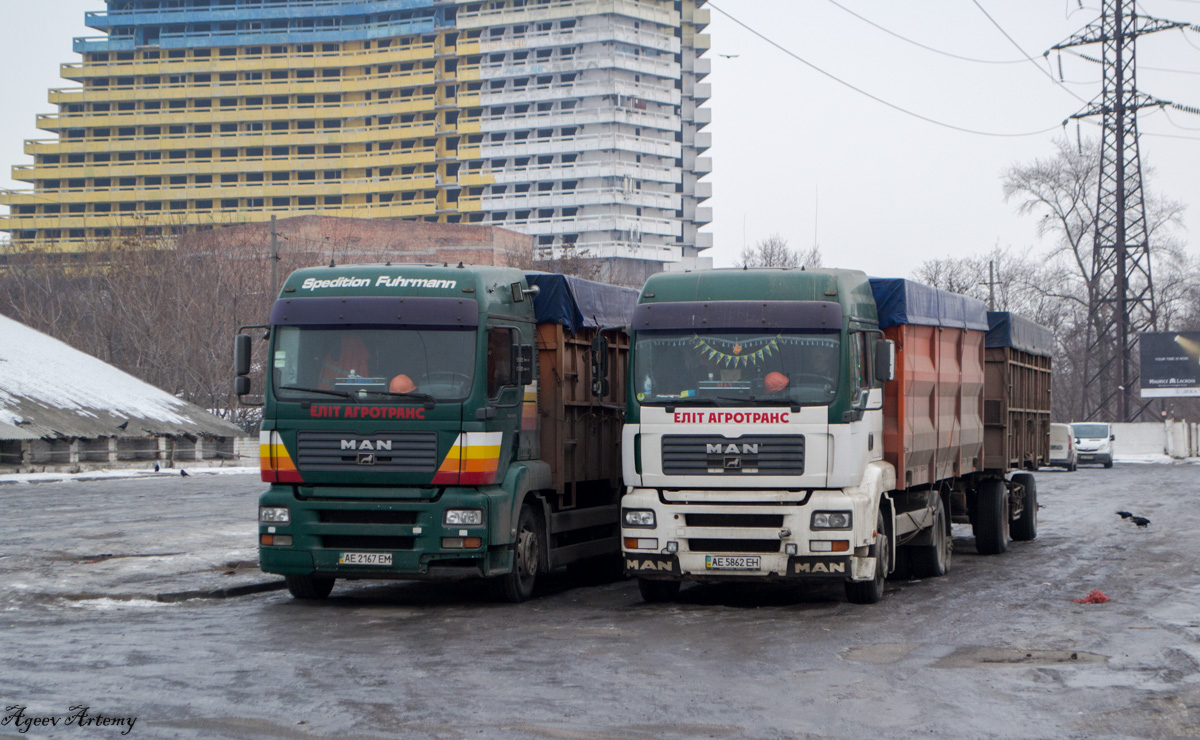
{"x": 739, "y": 542}
{"x": 410, "y": 531}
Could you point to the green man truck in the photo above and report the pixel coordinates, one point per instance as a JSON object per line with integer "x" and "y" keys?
{"x": 816, "y": 424}
{"x": 437, "y": 422}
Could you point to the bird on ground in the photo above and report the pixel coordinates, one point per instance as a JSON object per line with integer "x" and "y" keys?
{"x": 156, "y": 467}
{"x": 1124, "y": 514}
{"x": 123, "y": 424}
{"x": 184, "y": 473}
{"x": 1141, "y": 521}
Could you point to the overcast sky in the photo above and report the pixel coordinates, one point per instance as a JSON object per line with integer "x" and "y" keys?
{"x": 798, "y": 154}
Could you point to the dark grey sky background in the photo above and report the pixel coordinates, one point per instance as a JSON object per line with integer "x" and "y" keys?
{"x": 796, "y": 153}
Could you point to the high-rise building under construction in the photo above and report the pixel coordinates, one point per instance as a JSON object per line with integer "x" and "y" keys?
{"x": 578, "y": 122}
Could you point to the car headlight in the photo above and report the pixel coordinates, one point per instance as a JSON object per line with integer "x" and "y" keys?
{"x": 831, "y": 520}
{"x": 274, "y": 515}
{"x": 639, "y": 518}
{"x": 463, "y": 517}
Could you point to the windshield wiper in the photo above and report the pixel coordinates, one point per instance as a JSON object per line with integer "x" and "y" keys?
{"x": 429, "y": 400}
{"x": 753, "y": 401}
{"x": 327, "y": 392}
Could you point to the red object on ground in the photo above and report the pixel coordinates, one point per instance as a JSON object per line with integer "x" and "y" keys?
{"x": 1095, "y": 597}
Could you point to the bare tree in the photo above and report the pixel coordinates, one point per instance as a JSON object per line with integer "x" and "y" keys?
{"x": 774, "y": 251}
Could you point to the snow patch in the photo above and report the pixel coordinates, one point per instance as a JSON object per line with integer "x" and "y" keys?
{"x": 36, "y": 366}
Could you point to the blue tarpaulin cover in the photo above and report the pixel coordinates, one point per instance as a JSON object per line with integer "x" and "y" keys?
{"x": 901, "y": 301}
{"x": 575, "y": 302}
{"x": 1007, "y": 330}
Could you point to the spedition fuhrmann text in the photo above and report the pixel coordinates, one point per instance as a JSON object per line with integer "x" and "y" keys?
{"x": 78, "y": 715}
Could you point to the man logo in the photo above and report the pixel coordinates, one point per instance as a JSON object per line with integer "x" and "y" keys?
{"x": 733, "y": 463}
{"x": 820, "y": 568}
{"x": 366, "y": 458}
{"x": 366, "y": 444}
{"x": 731, "y": 449}
{"x": 641, "y": 566}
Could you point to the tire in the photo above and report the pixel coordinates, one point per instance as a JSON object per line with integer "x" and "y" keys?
{"x": 517, "y": 585}
{"x": 657, "y": 592}
{"x": 990, "y": 523}
{"x": 871, "y": 592}
{"x": 1108, "y": 463}
{"x": 1024, "y": 527}
{"x": 309, "y": 588}
{"x": 933, "y": 560}
{"x": 1072, "y": 467}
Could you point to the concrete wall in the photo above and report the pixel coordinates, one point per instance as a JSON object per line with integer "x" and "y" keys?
{"x": 1178, "y": 439}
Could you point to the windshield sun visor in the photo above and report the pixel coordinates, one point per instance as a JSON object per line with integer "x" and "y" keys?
{"x": 376, "y": 310}
{"x": 713, "y": 315}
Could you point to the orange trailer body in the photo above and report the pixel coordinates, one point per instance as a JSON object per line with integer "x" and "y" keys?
{"x": 933, "y": 411}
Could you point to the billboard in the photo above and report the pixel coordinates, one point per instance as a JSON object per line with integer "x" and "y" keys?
{"x": 1171, "y": 364}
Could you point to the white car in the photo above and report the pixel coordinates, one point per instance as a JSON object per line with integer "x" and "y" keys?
{"x": 1095, "y": 442}
{"x": 1063, "y": 453}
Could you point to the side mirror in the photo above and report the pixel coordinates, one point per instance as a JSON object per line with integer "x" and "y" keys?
{"x": 885, "y": 360}
{"x": 600, "y": 385}
{"x": 241, "y": 355}
{"x": 241, "y": 385}
{"x": 1112, "y": 438}
{"x": 523, "y": 364}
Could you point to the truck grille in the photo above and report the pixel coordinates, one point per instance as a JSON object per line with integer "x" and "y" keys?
{"x": 387, "y": 452}
{"x": 706, "y": 545}
{"x": 756, "y": 454}
{"x": 366, "y": 542}
{"x": 769, "y": 521}
{"x": 352, "y": 516}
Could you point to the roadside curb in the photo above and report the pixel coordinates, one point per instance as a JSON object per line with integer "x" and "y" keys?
{"x": 222, "y": 593}
{"x": 178, "y": 596}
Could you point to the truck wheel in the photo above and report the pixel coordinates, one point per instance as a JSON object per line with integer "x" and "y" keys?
{"x": 871, "y": 592}
{"x": 1024, "y": 528}
{"x": 309, "y": 587}
{"x": 933, "y": 560}
{"x": 517, "y": 586}
{"x": 991, "y": 517}
{"x": 655, "y": 592}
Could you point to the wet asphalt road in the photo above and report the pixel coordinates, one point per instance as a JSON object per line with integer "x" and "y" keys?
{"x": 996, "y": 649}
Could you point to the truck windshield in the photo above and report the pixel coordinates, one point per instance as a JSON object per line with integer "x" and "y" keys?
{"x": 1090, "y": 431}
{"x": 731, "y": 367}
{"x": 383, "y": 364}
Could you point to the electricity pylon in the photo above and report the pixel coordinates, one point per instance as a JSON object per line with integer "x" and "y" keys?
{"x": 1121, "y": 291}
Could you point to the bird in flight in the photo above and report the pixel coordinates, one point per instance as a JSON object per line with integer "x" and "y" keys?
{"x": 731, "y": 56}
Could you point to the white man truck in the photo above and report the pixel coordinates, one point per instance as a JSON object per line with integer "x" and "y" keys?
{"x": 800, "y": 424}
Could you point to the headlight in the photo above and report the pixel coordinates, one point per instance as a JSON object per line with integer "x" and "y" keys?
{"x": 463, "y": 517}
{"x": 639, "y": 518}
{"x": 274, "y": 515}
{"x": 831, "y": 520}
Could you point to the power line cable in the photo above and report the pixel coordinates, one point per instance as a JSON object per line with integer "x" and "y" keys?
{"x": 1094, "y": 60}
{"x": 890, "y": 32}
{"x": 864, "y": 93}
{"x": 1018, "y": 47}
